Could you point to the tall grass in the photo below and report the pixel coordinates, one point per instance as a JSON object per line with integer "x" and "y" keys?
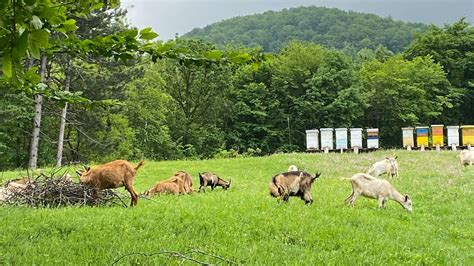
{"x": 246, "y": 225}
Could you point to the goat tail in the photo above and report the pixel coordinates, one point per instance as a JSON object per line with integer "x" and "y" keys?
{"x": 140, "y": 164}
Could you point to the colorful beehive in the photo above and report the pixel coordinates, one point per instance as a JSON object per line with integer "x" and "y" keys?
{"x": 437, "y": 135}
{"x": 407, "y": 133}
{"x": 312, "y": 139}
{"x": 372, "y": 138}
{"x": 422, "y": 134}
{"x": 341, "y": 138}
{"x": 467, "y": 135}
{"x": 327, "y": 138}
{"x": 356, "y": 138}
{"x": 453, "y": 135}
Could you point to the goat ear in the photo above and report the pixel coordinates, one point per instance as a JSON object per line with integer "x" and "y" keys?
{"x": 79, "y": 173}
{"x": 88, "y": 169}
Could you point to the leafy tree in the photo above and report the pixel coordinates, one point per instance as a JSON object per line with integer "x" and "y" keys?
{"x": 147, "y": 110}
{"x": 453, "y": 48}
{"x": 196, "y": 92}
{"x": 305, "y": 86}
{"x": 402, "y": 92}
{"x": 316, "y": 87}
{"x": 248, "y": 119}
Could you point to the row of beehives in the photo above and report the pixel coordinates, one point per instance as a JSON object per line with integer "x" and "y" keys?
{"x": 341, "y": 141}
{"x": 437, "y": 136}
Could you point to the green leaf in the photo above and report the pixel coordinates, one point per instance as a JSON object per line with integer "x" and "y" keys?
{"x": 239, "y": 58}
{"x": 214, "y": 54}
{"x": 37, "y": 39}
{"x": 131, "y": 33}
{"x": 70, "y": 25}
{"x": 36, "y": 22}
{"x": 126, "y": 56}
{"x": 97, "y": 6}
{"x": 4, "y": 32}
{"x": 34, "y": 50}
{"x": 32, "y": 75}
{"x": 22, "y": 44}
{"x": 7, "y": 65}
{"x": 147, "y": 34}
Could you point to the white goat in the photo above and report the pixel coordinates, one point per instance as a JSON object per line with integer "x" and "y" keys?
{"x": 388, "y": 165}
{"x": 12, "y": 187}
{"x": 292, "y": 168}
{"x": 467, "y": 157}
{"x": 374, "y": 188}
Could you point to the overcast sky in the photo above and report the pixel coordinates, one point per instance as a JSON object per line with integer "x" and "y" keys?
{"x": 168, "y": 17}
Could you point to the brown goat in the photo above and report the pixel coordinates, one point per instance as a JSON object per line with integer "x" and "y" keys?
{"x": 180, "y": 183}
{"x": 187, "y": 181}
{"x": 173, "y": 185}
{"x": 112, "y": 175}
{"x": 213, "y": 180}
{"x": 296, "y": 183}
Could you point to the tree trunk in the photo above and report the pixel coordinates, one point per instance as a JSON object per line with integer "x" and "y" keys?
{"x": 37, "y": 118}
{"x": 62, "y": 125}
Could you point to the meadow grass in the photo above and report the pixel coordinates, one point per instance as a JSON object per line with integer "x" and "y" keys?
{"x": 246, "y": 225}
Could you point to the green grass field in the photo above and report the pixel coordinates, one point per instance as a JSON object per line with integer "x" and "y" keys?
{"x": 246, "y": 225}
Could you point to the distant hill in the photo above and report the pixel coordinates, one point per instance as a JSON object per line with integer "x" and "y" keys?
{"x": 327, "y": 26}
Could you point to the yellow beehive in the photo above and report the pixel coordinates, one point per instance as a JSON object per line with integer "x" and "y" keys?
{"x": 467, "y": 135}
{"x": 437, "y": 134}
{"x": 422, "y": 136}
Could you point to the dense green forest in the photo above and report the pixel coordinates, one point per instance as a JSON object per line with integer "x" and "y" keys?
{"x": 329, "y": 27}
{"x": 130, "y": 97}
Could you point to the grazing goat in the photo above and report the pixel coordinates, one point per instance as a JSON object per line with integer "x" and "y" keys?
{"x": 112, "y": 175}
{"x": 292, "y": 168}
{"x": 297, "y": 183}
{"x": 466, "y": 157}
{"x": 213, "y": 180}
{"x": 180, "y": 183}
{"x": 388, "y": 165}
{"x": 374, "y": 188}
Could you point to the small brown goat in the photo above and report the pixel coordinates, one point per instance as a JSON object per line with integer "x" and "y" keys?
{"x": 112, "y": 175}
{"x": 173, "y": 185}
{"x": 187, "y": 181}
{"x": 180, "y": 183}
{"x": 213, "y": 180}
{"x": 296, "y": 183}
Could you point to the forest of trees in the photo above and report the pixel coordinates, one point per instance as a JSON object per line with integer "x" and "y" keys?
{"x": 123, "y": 103}
{"x": 329, "y": 27}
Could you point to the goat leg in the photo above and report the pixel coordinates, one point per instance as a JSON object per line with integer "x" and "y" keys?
{"x": 349, "y": 197}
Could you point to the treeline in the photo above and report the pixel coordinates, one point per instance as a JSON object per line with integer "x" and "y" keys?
{"x": 329, "y": 27}
{"x": 172, "y": 110}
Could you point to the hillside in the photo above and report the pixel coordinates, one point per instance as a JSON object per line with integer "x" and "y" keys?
{"x": 327, "y": 26}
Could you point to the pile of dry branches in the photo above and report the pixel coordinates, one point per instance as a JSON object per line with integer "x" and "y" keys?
{"x": 55, "y": 191}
